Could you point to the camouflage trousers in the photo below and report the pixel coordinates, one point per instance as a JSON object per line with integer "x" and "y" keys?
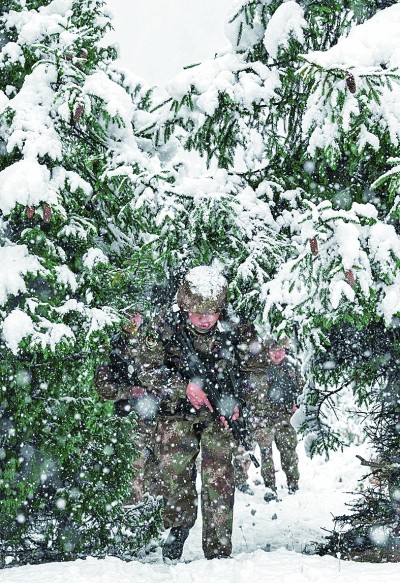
{"x": 179, "y": 442}
{"x": 278, "y": 429}
{"x": 145, "y": 466}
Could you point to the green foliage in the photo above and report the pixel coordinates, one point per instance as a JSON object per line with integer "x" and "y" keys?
{"x": 48, "y": 540}
{"x": 278, "y": 117}
{"x": 372, "y": 531}
{"x": 63, "y": 452}
{"x": 367, "y": 534}
{"x": 70, "y": 266}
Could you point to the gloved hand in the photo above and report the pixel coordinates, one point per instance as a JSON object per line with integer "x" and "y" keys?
{"x": 197, "y": 396}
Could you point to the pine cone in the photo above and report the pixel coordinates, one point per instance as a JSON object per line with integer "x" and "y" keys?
{"x": 77, "y": 114}
{"x": 350, "y": 277}
{"x": 351, "y": 83}
{"x": 314, "y": 246}
{"x": 47, "y": 213}
{"x": 83, "y": 54}
{"x": 30, "y": 211}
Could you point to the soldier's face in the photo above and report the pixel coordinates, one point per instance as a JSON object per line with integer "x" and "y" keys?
{"x": 133, "y": 325}
{"x": 277, "y": 354}
{"x": 203, "y": 321}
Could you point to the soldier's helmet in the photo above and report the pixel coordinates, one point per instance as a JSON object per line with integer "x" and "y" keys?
{"x": 281, "y": 342}
{"x": 203, "y": 291}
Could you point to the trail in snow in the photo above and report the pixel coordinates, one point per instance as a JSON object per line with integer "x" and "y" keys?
{"x": 269, "y": 540}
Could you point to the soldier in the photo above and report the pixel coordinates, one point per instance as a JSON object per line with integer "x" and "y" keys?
{"x": 186, "y": 420}
{"x": 117, "y": 381}
{"x": 272, "y": 384}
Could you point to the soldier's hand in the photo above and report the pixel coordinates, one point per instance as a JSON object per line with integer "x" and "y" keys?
{"x": 136, "y": 392}
{"x": 197, "y": 396}
{"x": 235, "y": 417}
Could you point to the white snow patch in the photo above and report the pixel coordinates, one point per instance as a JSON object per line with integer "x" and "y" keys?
{"x": 66, "y": 277}
{"x": 371, "y": 44}
{"x": 94, "y": 256}
{"x": 25, "y": 182}
{"x": 15, "y": 262}
{"x": 286, "y": 22}
{"x": 16, "y": 326}
{"x": 205, "y": 281}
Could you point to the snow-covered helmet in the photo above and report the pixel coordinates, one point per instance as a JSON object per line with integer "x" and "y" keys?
{"x": 281, "y": 342}
{"x": 203, "y": 291}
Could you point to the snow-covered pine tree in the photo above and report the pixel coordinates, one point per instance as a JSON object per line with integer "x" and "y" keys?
{"x": 242, "y": 110}
{"x": 306, "y": 101}
{"x": 213, "y": 218}
{"x": 360, "y": 117}
{"x": 69, "y": 162}
{"x": 270, "y": 116}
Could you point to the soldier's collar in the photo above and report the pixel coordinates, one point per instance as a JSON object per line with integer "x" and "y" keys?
{"x": 199, "y": 331}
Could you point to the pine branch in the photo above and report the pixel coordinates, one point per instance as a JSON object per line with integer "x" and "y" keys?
{"x": 160, "y": 105}
{"x": 384, "y": 466}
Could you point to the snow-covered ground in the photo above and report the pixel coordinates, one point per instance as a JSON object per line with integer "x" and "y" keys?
{"x": 268, "y": 542}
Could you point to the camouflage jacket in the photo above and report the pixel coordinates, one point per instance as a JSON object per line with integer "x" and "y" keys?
{"x": 154, "y": 359}
{"x": 267, "y": 385}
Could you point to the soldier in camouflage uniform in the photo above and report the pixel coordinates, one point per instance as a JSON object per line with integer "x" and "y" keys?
{"x": 117, "y": 381}
{"x": 272, "y": 384}
{"x": 185, "y": 420}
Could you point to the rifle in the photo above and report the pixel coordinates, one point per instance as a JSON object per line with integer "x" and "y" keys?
{"x": 222, "y": 402}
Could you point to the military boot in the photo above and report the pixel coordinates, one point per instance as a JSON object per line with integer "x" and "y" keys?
{"x": 271, "y": 495}
{"x": 245, "y": 488}
{"x": 173, "y": 546}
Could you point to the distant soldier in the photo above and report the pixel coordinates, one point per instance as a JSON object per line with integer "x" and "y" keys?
{"x": 272, "y": 385}
{"x": 385, "y": 476}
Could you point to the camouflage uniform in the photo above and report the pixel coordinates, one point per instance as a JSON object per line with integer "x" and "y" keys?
{"x": 270, "y": 391}
{"x": 114, "y": 381}
{"x": 181, "y": 431}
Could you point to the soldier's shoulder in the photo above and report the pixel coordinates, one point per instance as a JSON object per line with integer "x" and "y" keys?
{"x": 156, "y": 328}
